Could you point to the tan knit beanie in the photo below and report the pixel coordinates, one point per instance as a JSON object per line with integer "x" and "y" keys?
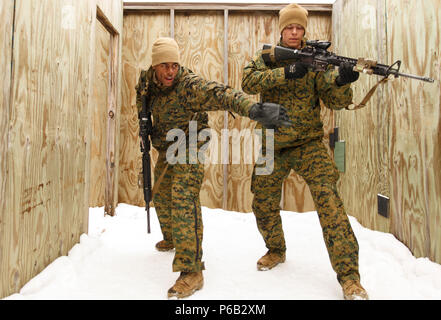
{"x": 293, "y": 13}
{"x": 165, "y": 50}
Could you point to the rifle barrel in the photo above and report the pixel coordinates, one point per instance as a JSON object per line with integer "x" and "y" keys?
{"x": 148, "y": 217}
{"x": 406, "y": 75}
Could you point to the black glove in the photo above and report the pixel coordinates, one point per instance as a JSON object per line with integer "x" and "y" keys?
{"x": 296, "y": 71}
{"x": 346, "y": 74}
{"x": 270, "y": 115}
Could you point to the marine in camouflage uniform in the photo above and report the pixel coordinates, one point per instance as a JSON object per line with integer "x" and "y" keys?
{"x": 177, "y": 202}
{"x": 300, "y": 148}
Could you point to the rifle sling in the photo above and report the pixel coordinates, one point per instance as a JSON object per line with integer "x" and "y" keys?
{"x": 368, "y": 95}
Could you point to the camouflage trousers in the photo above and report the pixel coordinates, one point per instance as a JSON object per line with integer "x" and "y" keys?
{"x": 179, "y": 212}
{"x": 311, "y": 161}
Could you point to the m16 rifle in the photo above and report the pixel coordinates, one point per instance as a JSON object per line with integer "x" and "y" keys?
{"x": 145, "y": 132}
{"x": 316, "y": 55}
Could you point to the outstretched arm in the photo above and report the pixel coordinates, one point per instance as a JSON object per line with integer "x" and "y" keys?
{"x": 205, "y": 95}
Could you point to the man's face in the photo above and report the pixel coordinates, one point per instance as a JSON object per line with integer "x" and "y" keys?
{"x": 166, "y": 73}
{"x": 292, "y": 35}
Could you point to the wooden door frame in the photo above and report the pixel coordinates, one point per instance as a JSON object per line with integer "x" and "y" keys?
{"x": 110, "y": 193}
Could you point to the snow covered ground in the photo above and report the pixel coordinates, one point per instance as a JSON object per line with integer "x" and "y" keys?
{"x": 117, "y": 260}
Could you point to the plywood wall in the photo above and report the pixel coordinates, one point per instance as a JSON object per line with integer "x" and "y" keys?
{"x": 47, "y": 155}
{"x": 202, "y": 50}
{"x": 393, "y": 144}
{"x": 7, "y": 16}
{"x": 415, "y": 157}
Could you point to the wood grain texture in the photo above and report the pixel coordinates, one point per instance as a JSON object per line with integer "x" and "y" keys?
{"x": 110, "y": 14}
{"x": 99, "y": 117}
{"x": 113, "y": 117}
{"x": 415, "y": 127}
{"x": 140, "y": 31}
{"x": 393, "y": 144}
{"x": 112, "y": 10}
{"x": 48, "y": 136}
{"x": 7, "y": 17}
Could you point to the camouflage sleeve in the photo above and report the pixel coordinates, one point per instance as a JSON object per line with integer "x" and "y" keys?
{"x": 202, "y": 95}
{"x": 140, "y": 89}
{"x": 257, "y": 77}
{"x": 333, "y": 96}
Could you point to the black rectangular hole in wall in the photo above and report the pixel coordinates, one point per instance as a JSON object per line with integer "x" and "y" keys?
{"x": 383, "y": 205}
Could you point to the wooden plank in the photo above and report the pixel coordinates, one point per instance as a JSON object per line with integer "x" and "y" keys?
{"x": 225, "y": 142}
{"x": 89, "y": 118}
{"x": 6, "y": 30}
{"x": 108, "y": 102}
{"x": 99, "y": 143}
{"x": 172, "y": 23}
{"x": 105, "y": 21}
{"x": 111, "y": 199}
{"x": 398, "y": 130}
{"x": 132, "y": 7}
{"x": 415, "y": 127}
{"x": 111, "y": 12}
{"x": 47, "y": 134}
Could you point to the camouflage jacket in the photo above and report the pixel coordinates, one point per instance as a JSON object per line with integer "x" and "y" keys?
{"x": 173, "y": 107}
{"x": 301, "y": 97}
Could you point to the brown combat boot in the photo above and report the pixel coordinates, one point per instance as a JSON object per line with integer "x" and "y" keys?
{"x": 352, "y": 290}
{"x": 164, "y": 245}
{"x": 270, "y": 260}
{"x": 187, "y": 284}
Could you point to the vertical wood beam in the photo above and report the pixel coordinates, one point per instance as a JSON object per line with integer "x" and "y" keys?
{"x": 7, "y": 15}
{"x": 110, "y": 192}
{"x": 110, "y": 197}
{"x": 90, "y": 106}
{"x": 172, "y": 23}
{"x": 225, "y": 142}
